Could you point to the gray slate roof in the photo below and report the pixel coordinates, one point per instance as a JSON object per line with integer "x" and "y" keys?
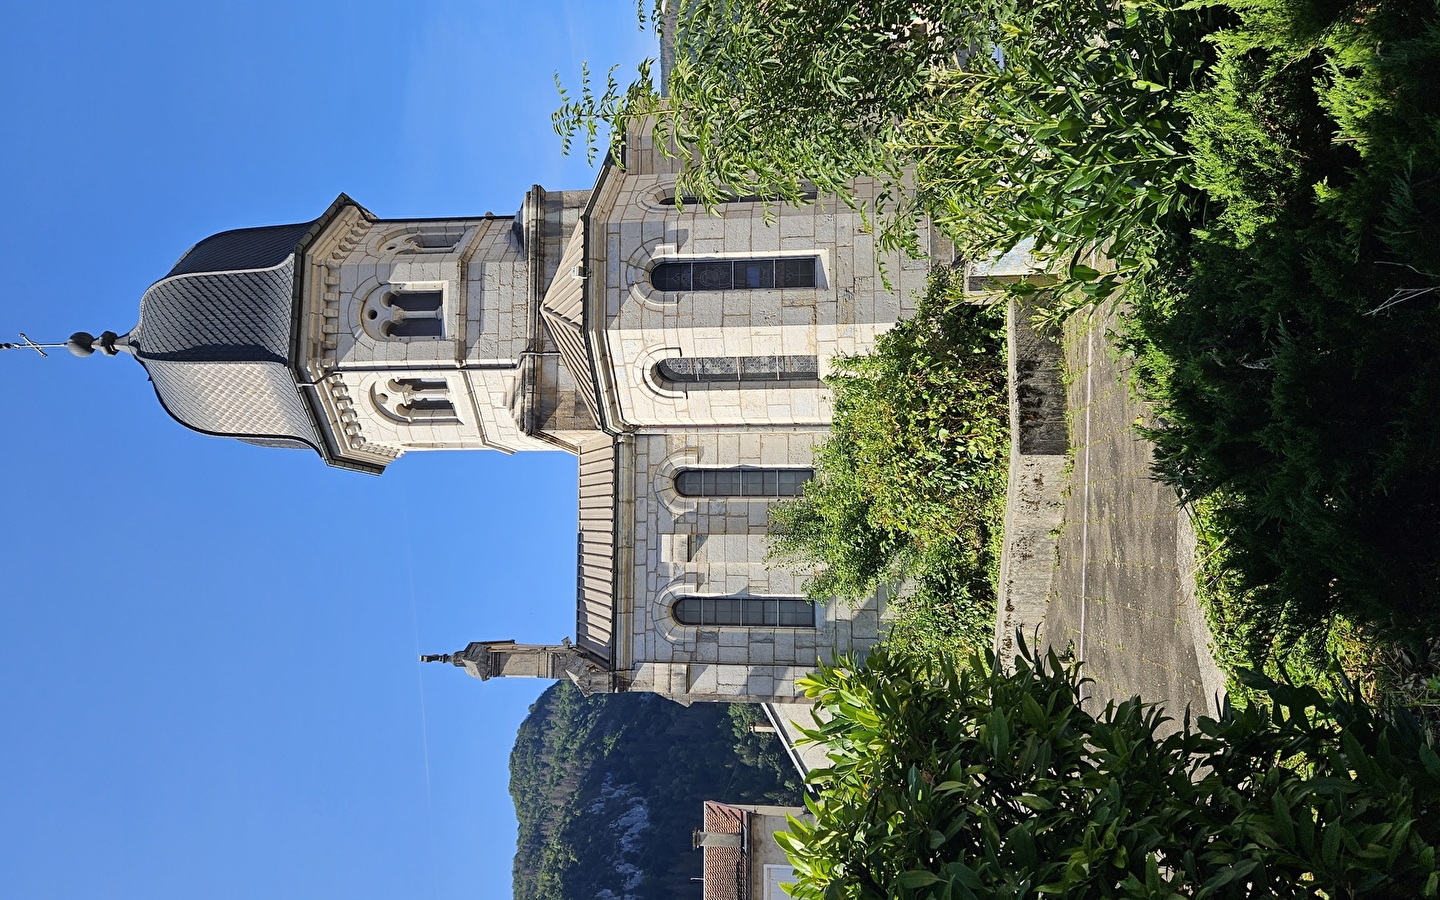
{"x": 222, "y": 316}
{"x": 243, "y": 248}
{"x": 563, "y": 311}
{"x": 595, "y": 582}
{"x": 215, "y": 335}
{"x": 253, "y": 400}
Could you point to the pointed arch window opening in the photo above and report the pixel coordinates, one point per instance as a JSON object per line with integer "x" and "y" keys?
{"x": 742, "y": 482}
{"x": 705, "y": 275}
{"x": 682, "y": 372}
{"x": 775, "y": 612}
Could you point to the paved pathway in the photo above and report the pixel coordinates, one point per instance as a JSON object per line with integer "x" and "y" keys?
{"x": 1123, "y": 592}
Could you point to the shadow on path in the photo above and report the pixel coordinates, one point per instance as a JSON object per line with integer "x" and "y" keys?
{"x": 1123, "y": 591}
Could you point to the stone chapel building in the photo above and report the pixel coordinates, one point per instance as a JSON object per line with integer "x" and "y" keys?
{"x": 677, "y": 354}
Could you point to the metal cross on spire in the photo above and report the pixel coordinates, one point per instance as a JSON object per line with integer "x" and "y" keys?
{"x": 80, "y": 344}
{"x": 26, "y": 344}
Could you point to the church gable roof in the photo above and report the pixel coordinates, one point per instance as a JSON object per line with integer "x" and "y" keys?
{"x": 563, "y": 311}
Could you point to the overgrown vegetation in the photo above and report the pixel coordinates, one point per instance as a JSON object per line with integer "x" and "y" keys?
{"x": 608, "y": 788}
{"x": 963, "y": 781}
{"x": 1289, "y": 338}
{"x": 1057, "y": 122}
{"x": 1266, "y": 176}
{"x": 910, "y": 485}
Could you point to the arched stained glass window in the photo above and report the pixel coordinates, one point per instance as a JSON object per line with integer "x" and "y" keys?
{"x": 734, "y": 274}
{"x": 742, "y": 482}
{"x": 778, "y": 612}
{"x": 681, "y": 371}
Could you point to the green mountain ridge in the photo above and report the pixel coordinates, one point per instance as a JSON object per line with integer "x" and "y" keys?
{"x": 608, "y": 790}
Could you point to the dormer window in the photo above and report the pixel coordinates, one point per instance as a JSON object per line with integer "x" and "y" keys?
{"x": 407, "y": 314}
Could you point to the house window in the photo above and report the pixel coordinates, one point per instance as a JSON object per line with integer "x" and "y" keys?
{"x": 734, "y": 274}
{"x": 411, "y": 314}
{"x": 742, "y": 482}
{"x": 779, "y": 612}
{"x": 732, "y": 371}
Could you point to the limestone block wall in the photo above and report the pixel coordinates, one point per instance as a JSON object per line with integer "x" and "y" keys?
{"x": 849, "y": 306}
{"x": 717, "y": 547}
{"x": 482, "y": 275}
{"x": 480, "y": 268}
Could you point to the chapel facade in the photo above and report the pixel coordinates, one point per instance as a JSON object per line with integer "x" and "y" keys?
{"x": 678, "y": 354}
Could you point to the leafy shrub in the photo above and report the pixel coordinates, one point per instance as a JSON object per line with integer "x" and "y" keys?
{"x": 911, "y": 482}
{"x": 1264, "y": 173}
{"x": 1290, "y": 340}
{"x": 965, "y": 781}
{"x": 1052, "y": 121}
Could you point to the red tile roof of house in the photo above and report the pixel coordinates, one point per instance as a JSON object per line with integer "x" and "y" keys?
{"x": 725, "y": 869}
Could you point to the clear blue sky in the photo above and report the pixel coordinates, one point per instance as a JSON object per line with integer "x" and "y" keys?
{"x": 208, "y": 676}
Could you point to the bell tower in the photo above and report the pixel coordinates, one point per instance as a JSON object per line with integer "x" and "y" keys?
{"x": 426, "y": 334}
{"x": 364, "y": 338}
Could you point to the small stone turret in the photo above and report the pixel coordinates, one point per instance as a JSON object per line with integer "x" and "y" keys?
{"x": 507, "y": 659}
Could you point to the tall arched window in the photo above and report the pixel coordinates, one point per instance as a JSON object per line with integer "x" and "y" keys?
{"x": 742, "y": 482}
{"x": 682, "y": 371}
{"x": 734, "y": 274}
{"x": 780, "y": 612}
{"x": 727, "y": 197}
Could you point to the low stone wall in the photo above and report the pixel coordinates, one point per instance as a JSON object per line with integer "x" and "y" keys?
{"x": 1033, "y": 501}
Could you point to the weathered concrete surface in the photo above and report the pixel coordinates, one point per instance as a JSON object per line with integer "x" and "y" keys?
{"x": 788, "y": 719}
{"x": 1033, "y": 507}
{"x": 1123, "y": 595}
